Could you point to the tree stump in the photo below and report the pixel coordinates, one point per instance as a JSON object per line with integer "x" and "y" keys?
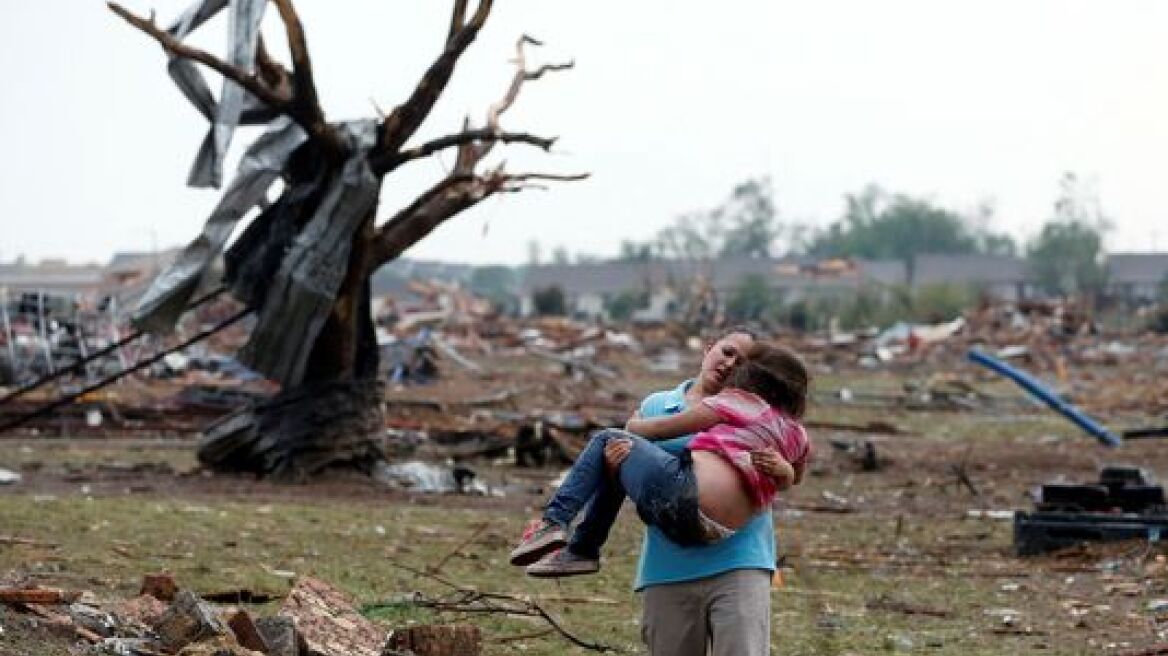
{"x": 301, "y": 432}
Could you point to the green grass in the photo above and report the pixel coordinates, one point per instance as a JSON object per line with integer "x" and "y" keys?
{"x": 906, "y": 572}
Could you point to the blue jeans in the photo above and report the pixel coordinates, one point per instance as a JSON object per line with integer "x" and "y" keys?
{"x": 662, "y": 486}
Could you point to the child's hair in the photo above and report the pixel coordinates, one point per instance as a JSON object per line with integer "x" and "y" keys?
{"x": 776, "y": 374}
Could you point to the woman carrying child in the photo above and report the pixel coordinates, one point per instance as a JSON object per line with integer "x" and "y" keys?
{"x": 749, "y": 445}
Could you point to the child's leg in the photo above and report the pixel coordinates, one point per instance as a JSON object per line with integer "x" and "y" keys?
{"x": 592, "y": 531}
{"x": 663, "y": 487}
{"x": 583, "y": 481}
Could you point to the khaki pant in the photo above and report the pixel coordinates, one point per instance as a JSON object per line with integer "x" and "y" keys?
{"x": 724, "y": 615}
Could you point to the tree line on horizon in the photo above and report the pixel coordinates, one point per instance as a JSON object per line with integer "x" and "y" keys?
{"x": 1065, "y": 256}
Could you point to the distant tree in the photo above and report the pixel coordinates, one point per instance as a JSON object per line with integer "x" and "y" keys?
{"x": 495, "y": 283}
{"x": 620, "y": 307}
{"x": 1067, "y": 255}
{"x": 695, "y": 236}
{"x": 743, "y": 225}
{"x": 940, "y": 302}
{"x": 560, "y": 256}
{"x": 878, "y": 226}
{"x": 989, "y": 242}
{"x": 633, "y": 251}
{"x": 866, "y": 308}
{"x": 797, "y": 315}
{"x": 751, "y": 300}
{"x": 534, "y": 253}
{"x": 748, "y": 219}
{"x": 992, "y": 244}
{"x": 549, "y": 301}
{"x": 1158, "y": 321}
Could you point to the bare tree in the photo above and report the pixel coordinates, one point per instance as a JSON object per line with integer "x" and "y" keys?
{"x": 303, "y": 264}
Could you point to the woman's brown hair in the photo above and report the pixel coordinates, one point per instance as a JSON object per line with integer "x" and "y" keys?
{"x": 776, "y": 374}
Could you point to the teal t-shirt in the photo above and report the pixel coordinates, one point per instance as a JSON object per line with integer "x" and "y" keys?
{"x": 663, "y": 561}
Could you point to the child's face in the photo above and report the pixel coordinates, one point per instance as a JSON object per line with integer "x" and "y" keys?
{"x": 721, "y": 358}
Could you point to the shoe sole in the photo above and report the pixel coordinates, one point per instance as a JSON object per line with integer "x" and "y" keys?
{"x": 560, "y": 573}
{"x": 531, "y": 553}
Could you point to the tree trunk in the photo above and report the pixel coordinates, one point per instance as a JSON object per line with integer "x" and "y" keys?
{"x": 335, "y": 418}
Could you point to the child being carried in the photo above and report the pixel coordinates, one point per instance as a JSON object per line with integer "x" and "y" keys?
{"x": 749, "y": 444}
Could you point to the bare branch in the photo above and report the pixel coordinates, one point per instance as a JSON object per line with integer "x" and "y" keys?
{"x": 384, "y": 163}
{"x": 457, "y": 17}
{"x": 538, "y": 73}
{"x": 448, "y": 197}
{"x": 405, "y": 119}
{"x": 304, "y": 97}
{"x": 247, "y": 80}
{"x": 272, "y": 72}
{"x": 568, "y": 177}
{"x": 469, "y": 600}
{"x": 521, "y": 75}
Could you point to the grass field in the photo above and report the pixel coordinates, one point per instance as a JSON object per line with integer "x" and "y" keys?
{"x": 873, "y": 562}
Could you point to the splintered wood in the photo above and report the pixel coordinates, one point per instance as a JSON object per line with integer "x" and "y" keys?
{"x": 438, "y": 640}
{"x": 329, "y": 622}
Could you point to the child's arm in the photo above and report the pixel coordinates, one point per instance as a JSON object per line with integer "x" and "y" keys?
{"x": 697, "y": 418}
{"x": 775, "y": 466}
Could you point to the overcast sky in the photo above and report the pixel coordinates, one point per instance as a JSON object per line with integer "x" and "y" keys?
{"x": 670, "y": 105}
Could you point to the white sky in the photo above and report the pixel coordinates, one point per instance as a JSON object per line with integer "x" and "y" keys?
{"x": 671, "y": 104}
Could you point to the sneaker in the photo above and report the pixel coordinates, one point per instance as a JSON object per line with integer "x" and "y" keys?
{"x": 540, "y": 538}
{"x": 563, "y": 563}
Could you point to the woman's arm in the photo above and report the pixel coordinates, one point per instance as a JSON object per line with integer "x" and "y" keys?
{"x": 696, "y": 418}
{"x": 800, "y": 468}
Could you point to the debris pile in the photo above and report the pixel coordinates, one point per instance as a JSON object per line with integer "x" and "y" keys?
{"x": 1123, "y": 505}
{"x": 315, "y": 619}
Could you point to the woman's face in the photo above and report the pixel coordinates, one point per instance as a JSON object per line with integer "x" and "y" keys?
{"x": 720, "y": 359}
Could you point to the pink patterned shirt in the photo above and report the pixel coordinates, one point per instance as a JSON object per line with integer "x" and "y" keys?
{"x": 749, "y": 424}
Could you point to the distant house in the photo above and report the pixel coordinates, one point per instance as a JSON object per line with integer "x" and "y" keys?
{"x": 1002, "y": 277}
{"x": 129, "y": 274}
{"x": 51, "y": 276}
{"x": 589, "y": 288}
{"x": 394, "y": 276}
{"x": 1137, "y": 277}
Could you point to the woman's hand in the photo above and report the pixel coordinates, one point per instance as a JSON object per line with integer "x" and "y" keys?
{"x": 771, "y": 464}
{"x": 615, "y": 453}
{"x": 633, "y": 421}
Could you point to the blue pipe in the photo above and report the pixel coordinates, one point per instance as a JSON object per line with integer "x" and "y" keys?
{"x": 1046, "y": 395}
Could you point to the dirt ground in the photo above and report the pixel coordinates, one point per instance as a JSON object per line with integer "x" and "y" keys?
{"x": 903, "y": 559}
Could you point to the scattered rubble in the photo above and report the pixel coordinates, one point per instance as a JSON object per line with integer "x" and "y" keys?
{"x": 315, "y": 619}
{"x": 1123, "y": 505}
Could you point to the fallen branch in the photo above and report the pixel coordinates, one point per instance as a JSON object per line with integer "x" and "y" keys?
{"x": 473, "y": 536}
{"x": 523, "y": 636}
{"x": 960, "y": 472}
{"x": 469, "y": 600}
{"x": 11, "y": 539}
{"x": 884, "y": 603}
